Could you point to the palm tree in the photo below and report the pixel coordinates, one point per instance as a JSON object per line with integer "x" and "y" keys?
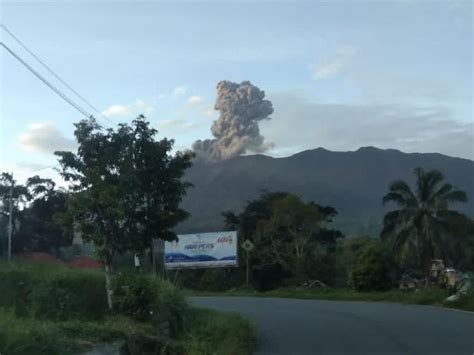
{"x": 423, "y": 220}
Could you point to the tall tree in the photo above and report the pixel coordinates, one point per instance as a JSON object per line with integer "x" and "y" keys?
{"x": 39, "y": 229}
{"x": 127, "y": 186}
{"x": 291, "y": 227}
{"x": 19, "y": 198}
{"x": 424, "y": 220}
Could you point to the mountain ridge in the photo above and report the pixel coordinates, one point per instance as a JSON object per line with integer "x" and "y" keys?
{"x": 353, "y": 182}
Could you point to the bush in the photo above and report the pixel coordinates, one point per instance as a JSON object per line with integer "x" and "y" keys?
{"x": 52, "y": 292}
{"x": 219, "y": 279}
{"x": 370, "y": 271}
{"x": 71, "y": 295}
{"x": 146, "y": 298}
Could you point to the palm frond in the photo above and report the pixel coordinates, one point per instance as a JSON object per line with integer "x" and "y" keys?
{"x": 402, "y": 237}
{"x": 426, "y": 182}
{"x": 400, "y": 193}
{"x": 437, "y": 201}
{"x": 432, "y": 179}
{"x": 455, "y": 196}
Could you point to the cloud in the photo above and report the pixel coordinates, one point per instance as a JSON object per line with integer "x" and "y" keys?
{"x": 116, "y": 110}
{"x": 180, "y": 91}
{"x": 335, "y": 65}
{"x": 44, "y": 138}
{"x": 133, "y": 109}
{"x": 194, "y": 100}
{"x": 176, "y": 125}
{"x": 349, "y": 126}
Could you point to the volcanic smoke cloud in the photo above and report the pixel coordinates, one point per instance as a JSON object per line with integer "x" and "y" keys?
{"x": 236, "y": 130}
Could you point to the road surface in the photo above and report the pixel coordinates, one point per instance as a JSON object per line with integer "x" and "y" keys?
{"x": 290, "y": 326}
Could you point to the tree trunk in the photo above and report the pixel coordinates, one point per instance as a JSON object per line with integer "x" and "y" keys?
{"x": 418, "y": 249}
{"x": 108, "y": 283}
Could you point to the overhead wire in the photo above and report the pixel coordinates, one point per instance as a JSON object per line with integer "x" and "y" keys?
{"x": 52, "y": 72}
{"x": 50, "y": 85}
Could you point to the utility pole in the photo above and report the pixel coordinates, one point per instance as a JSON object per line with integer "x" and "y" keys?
{"x": 10, "y": 223}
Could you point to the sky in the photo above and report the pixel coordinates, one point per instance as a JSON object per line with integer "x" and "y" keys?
{"x": 340, "y": 74}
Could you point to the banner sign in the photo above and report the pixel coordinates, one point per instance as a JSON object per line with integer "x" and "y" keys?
{"x": 204, "y": 250}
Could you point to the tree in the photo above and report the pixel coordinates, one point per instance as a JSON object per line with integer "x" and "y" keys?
{"x": 423, "y": 221}
{"x": 20, "y": 196}
{"x": 39, "y": 229}
{"x": 291, "y": 237}
{"x": 291, "y": 228}
{"x": 127, "y": 188}
{"x": 371, "y": 270}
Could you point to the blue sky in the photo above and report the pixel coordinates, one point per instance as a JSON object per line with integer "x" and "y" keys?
{"x": 341, "y": 74}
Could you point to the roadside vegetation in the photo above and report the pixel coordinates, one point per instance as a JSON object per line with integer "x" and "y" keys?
{"x": 125, "y": 189}
{"x": 55, "y": 310}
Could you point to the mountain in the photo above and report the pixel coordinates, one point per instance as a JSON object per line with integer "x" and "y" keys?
{"x": 352, "y": 182}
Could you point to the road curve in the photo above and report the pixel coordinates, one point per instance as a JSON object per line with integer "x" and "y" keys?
{"x": 291, "y": 326}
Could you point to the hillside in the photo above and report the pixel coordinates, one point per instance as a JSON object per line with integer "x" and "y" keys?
{"x": 352, "y": 182}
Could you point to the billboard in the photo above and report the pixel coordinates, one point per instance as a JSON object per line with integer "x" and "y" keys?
{"x": 205, "y": 250}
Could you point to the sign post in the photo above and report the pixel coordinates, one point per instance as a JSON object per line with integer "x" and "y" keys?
{"x": 248, "y": 247}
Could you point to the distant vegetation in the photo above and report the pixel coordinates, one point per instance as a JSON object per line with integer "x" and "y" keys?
{"x": 296, "y": 243}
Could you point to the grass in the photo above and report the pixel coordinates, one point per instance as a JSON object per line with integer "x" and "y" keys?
{"x": 29, "y": 336}
{"x": 212, "y": 332}
{"x": 55, "y": 310}
{"x": 433, "y": 296}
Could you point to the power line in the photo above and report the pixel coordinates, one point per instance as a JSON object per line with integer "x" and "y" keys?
{"x": 44, "y": 168}
{"x": 51, "y": 86}
{"x": 53, "y": 73}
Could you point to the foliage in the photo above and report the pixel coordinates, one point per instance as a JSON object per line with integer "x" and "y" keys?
{"x": 424, "y": 221}
{"x": 291, "y": 238}
{"x": 371, "y": 271}
{"x": 68, "y": 330}
{"x": 39, "y": 229}
{"x": 127, "y": 188}
{"x": 29, "y": 336}
{"x": 55, "y": 293}
{"x": 211, "y": 332}
{"x": 146, "y": 298}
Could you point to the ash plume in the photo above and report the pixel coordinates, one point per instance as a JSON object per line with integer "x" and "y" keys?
{"x": 236, "y": 130}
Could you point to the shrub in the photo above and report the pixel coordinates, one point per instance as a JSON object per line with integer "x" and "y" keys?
{"x": 134, "y": 296}
{"x": 371, "y": 272}
{"x": 147, "y": 298}
{"x": 52, "y": 292}
{"x": 71, "y": 295}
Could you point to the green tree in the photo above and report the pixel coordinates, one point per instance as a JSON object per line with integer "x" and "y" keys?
{"x": 424, "y": 220}
{"x": 39, "y": 229}
{"x": 127, "y": 188}
{"x": 20, "y": 197}
{"x": 291, "y": 227}
{"x": 371, "y": 270}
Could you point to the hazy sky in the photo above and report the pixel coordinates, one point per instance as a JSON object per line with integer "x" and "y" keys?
{"x": 340, "y": 74}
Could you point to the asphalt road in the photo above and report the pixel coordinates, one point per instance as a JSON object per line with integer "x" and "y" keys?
{"x": 290, "y": 326}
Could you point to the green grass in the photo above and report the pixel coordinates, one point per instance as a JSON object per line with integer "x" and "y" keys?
{"x": 212, "y": 332}
{"x": 433, "y": 296}
{"x": 55, "y": 310}
{"x": 29, "y": 336}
